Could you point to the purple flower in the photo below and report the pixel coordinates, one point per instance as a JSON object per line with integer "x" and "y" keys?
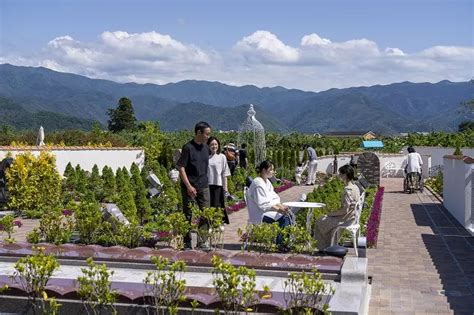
{"x": 162, "y": 234}
{"x": 374, "y": 218}
{"x": 1, "y": 227}
{"x": 18, "y": 223}
{"x": 67, "y": 212}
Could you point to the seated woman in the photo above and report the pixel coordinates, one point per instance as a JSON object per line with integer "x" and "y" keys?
{"x": 263, "y": 201}
{"x": 326, "y": 226}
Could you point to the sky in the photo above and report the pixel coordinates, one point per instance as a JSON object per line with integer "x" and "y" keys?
{"x": 309, "y": 45}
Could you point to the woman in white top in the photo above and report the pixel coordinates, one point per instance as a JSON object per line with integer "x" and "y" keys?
{"x": 217, "y": 173}
{"x": 263, "y": 203}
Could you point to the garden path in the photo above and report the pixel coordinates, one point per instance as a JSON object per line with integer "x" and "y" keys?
{"x": 424, "y": 261}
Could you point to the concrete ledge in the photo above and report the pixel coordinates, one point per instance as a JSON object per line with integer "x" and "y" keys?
{"x": 351, "y": 297}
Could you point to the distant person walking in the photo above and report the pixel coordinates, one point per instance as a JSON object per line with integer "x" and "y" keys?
{"x": 231, "y": 156}
{"x": 217, "y": 174}
{"x": 243, "y": 160}
{"x": 413, "y": 163}
{"x": 312, "y": 165}
{"x": 193, "y": 166}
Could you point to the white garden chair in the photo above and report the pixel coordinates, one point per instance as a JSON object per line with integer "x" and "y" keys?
{"x": 354, "y": 226}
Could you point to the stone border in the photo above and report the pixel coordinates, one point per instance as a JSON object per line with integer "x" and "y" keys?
{"x": 434, "y": 193}
{"x": 270, "y": 261}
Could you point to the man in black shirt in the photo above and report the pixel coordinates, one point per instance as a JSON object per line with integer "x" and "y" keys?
{"x": 192, "y": 166}
{"x": 243, "y": 156}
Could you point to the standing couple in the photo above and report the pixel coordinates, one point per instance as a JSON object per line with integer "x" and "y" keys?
{"x": 203, "y": 171}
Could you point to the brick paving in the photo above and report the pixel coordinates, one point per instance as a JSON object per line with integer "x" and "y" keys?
{"x": 424, "y": 261}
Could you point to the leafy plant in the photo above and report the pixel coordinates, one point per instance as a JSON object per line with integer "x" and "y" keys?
{"x": 34, "y": 184}
{"x": 235, "y": 286}
{"x": 209, "y": 225}
{"x": 172, "y": 228}
{"x": 33, "y": 273}
{"x": 7, "y": 224}
{"x": 165, "y": 285}
{"x": 297, "y": 240}
{"x": 262, "y": 237}
{"x": 95, "y": 288}
{"x": 436, "y": 183}
{"x": 55, "y": 227}
{"x": 304, "y": 292}
{"x": 88, "y": 222}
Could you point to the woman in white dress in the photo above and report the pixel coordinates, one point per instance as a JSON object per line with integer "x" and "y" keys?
{"x": 217, "y": 173}
{"x": 263, "y": 203}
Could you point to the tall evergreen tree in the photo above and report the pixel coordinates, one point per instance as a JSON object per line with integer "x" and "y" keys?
{"x": 141, "y": 202}
{"x": 70, "y": 180}
{"x": 125, "y": 199}
{"x": 109, "y": 184}
{"x": 81, "y": 177}
{"x": 122, "y": 117}
{"x": 95, "y": 183}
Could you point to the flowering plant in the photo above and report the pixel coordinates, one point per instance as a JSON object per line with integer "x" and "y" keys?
{"x": 67, "y": 212}
{"x": 235, "y": 207}
{"x": 374, "y": 219}
{"x": 7, "y": 224}
{"x": 286, "y": 184}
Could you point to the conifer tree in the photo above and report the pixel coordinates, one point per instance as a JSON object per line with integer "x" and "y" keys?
{"x": 81, "y": 180}
{"x": 69, "y": 171}
{"x": 69, "y": 182}
{"x": 141, "y": 202}
{"x": 109, "y": 184}
{"x": 125, "y": 200}
{"x": 122, "y": 117}
{"x": 95, "y": 183}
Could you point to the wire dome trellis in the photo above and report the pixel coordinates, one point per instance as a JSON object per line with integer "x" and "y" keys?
{"x": 252, "y": 132}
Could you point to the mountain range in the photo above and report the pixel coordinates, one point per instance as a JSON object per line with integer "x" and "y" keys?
{"x": 32, "y": 96}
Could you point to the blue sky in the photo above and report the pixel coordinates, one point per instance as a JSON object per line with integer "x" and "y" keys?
{"x": 312, "y": 45}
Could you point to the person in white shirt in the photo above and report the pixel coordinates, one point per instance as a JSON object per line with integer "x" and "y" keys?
{"x": 217, "y": 173}
{"x": 413, "y": 164}
{"x": 263, "y": 203}
{"x": 312, "y": 165}
{"x": 299, "y": 170}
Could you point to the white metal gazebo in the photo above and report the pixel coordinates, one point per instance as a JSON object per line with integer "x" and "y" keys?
{"x": 251, "y": 131}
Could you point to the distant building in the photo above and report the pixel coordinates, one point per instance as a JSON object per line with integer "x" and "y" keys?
{"x": 366, "y": 135}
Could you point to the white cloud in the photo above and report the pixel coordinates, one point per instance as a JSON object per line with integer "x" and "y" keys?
{"x": 394, "y": 52}
{"x": 314, "y": 40}
{"x": 261, "y": 58}
{"x": 266, "y": 47}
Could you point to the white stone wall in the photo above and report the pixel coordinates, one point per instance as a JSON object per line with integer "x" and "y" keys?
{"x": 325, "y": 164}
{"x": 86, "y": 158}
{"x": 457, "y": 190}
{"x": 437, "y": 153}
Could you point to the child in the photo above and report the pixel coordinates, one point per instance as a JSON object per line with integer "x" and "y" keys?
{"x": 299, "y": 171}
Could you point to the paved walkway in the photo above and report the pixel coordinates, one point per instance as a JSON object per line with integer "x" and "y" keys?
{"x": 424, "y": 262}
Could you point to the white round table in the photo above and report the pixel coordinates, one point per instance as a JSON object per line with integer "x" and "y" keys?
{"x": 304, "y": 204}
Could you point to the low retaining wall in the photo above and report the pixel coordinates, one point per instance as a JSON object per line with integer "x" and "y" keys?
{"x": 86, "y": 157}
